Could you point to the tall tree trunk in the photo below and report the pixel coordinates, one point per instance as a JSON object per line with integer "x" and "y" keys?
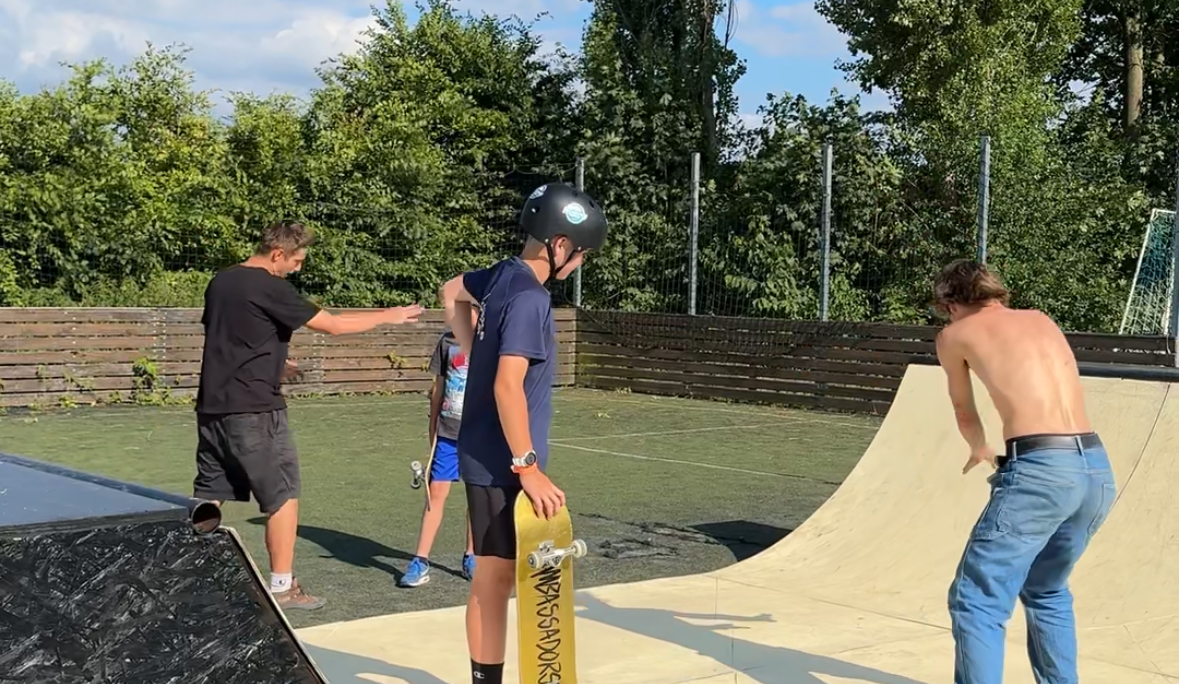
{"x": 1133, "y": 77}
{"x": 1157, "y": 104}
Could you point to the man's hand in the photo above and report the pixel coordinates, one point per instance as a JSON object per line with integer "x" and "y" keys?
{"x": 983, "y": 454}
{"x": 545, "y": 497}
{"x": 403, "y": 314}
{"x": 291, "y": 372}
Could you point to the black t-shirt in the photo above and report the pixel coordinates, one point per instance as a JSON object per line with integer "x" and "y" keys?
{"x": 249, "y": 318}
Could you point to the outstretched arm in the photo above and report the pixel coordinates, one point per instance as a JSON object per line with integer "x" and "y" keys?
{"x": 283, "y": 303}
{"x": 351, "y": 322}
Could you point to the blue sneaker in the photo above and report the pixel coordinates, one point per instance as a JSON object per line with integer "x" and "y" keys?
{"x": 417, "y": 574}
{"x": 468, "y": 566}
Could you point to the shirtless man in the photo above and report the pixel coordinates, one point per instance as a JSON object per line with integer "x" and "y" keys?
{"x": 1051, "y": 489}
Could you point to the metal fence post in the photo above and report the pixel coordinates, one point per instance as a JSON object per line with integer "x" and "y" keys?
{"x": 693, "y": 233}
{"x": 579, "y": 183}
{"x": 825, "y": 236}
{"x": 984, "y": 198}
{"x": 1173, "y": 322}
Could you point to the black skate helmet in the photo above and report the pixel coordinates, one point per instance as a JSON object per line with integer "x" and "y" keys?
{"x": 558, "y": 209}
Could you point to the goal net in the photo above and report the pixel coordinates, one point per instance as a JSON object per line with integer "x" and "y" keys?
{"x": 1148, "y": 309}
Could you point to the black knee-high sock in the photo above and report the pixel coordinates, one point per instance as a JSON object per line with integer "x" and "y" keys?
{"x": 487, "y": 674}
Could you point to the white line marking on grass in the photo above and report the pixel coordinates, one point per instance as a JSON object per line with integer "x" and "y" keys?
{"x": 794, "y": 415}
{"x": 712, "y": 466}
{"x": 663, "y": 433}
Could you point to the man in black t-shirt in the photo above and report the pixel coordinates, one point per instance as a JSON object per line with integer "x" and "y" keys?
{"x": 244, "y": 443}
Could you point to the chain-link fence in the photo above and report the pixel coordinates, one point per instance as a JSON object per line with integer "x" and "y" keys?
{"x": 831, "y": 242}
{"x": 820, "y": 236}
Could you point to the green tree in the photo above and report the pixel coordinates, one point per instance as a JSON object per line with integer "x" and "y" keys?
{"x": 762, "y": 250}
{"x": 406, "y": 143}
{"x": 659, "y": 86}
{"x": 116, "y": 175}
{"x": 986, "y": 67}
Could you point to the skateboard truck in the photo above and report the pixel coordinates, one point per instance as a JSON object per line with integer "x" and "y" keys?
{"x": 548, "y": 556}
{"x": 419, "y": 474}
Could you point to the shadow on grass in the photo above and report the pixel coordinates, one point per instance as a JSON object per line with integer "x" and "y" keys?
{"x": 744, "y": 538}
{"x": 360, "y": 552}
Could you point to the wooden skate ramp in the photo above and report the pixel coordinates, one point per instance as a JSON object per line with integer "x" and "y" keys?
{"x": 858, "y": 592}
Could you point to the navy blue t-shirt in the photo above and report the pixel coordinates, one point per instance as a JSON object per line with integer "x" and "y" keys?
{"x": 516, "y": 319}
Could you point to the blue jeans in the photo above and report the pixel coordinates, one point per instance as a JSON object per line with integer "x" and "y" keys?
{"x": 1045, "y": 506}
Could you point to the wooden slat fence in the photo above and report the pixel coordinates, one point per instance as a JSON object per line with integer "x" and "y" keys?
{"x": 55, "y": 357}
{"x": 61, "y": 357}
{"x": 829, "y": 365}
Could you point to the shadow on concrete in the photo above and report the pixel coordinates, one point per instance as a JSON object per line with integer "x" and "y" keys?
{"x": 360, "y": 552}
{"x": 346, "y": 668}
{"x": 775, "y": 664}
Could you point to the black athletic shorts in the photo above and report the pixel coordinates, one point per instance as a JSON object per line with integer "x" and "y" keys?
{"x": 239, "y": 454}
{"x": 493, "y": 524}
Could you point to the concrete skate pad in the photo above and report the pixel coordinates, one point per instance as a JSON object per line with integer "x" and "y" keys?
{"x": 858, "y": 592}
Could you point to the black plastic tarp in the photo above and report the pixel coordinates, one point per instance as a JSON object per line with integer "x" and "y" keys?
{"x": 105, "y": 582}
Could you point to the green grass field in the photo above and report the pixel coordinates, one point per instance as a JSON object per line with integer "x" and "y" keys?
{"x": 657, "y": 486}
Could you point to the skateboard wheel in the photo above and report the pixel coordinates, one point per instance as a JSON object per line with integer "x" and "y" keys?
{"x": 579, "y": 548}
{"x": 535, "y": 560}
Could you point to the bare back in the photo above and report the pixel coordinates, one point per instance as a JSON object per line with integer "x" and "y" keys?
{"x": 1027, "y": 366}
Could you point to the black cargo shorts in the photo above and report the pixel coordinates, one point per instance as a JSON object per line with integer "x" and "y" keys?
{"x": 492, "y": 513}
{"x": 239, "y": 454}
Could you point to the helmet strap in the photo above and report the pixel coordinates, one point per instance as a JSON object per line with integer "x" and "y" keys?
{"x": 548, "y": 246}
{"x": 553, "y": 268}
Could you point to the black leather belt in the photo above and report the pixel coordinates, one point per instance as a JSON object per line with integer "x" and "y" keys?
{"x": 1029, "y": 443}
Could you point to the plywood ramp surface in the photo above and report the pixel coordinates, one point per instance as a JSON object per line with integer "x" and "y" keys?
{"x": 858, "y": 592}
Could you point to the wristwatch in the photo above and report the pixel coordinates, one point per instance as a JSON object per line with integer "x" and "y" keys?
{"x": 522, "y": 463}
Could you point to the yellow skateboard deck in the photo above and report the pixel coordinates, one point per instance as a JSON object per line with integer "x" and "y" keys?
{"x": 544, "y": 594}
{"x": 421, "y": 476}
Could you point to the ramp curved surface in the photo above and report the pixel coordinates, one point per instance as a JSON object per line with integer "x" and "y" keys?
{"x": 858, "y": 592}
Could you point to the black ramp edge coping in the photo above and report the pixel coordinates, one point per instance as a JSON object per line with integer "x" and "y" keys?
{"x": 1129, "y": 372}
{"x": 142, "y": 602}
{"x": 33, "y": 493}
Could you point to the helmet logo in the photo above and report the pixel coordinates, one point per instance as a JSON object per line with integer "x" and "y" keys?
{"x": 538, "y": 192}
{"x": 574, "y": 213}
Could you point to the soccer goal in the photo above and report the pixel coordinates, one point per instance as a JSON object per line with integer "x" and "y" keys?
{"x": 1148, "y": 309}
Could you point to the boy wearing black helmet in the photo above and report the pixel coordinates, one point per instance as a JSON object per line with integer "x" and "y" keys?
{"x": 503, "y": 440}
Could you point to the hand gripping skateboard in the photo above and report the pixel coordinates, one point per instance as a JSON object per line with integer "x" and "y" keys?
{"x": 544, "y": 594}
{"x": 421, "y": 475}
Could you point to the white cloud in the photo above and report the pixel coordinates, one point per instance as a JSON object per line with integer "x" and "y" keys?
{"x": 263, "y": 45}
{"x": 314, "y": 36}
{"x": 260, "y": 46}
{"x": 794, "y": 30}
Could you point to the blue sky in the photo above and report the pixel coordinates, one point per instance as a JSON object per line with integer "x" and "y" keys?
{"x": 274, "y": 45}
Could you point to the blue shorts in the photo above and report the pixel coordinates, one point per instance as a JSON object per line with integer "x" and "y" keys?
{"x": 445, "y": 467}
